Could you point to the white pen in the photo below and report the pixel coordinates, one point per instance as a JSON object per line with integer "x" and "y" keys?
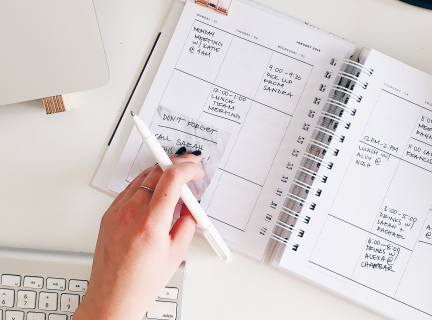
{"x": 210, "y": 232}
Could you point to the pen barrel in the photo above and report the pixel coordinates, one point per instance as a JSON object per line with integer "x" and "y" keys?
{"x": 158, "y": 152}
{"x": 195, "y": 208}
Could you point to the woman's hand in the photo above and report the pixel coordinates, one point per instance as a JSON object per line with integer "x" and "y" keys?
{"x": 137, "y": 251}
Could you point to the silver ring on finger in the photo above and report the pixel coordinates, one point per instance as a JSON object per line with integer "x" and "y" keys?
{"x": 145, "y": 187}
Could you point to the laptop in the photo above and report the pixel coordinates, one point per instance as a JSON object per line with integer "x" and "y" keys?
{"x": 49, "y": 48}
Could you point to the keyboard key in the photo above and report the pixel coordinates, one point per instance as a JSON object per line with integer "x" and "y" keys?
{"x": 163, "y": 310}
{"x": 56, "y": 284}
{"x": 33, "y": 282}
{"x": 1, "y": 314}
{"x": 69, "y": 302}
{"x": 35, "y": 316}
{"x": 10, "y": 280}
{"x": 48, "y": 301}
{"x": 26, "y": 299}
{"x": 78, "y": 285}
{"x": 169, "y": 293}
{"x": 14, "y": 315}
{"x": 54, "y": 316}
{"x": 7, "y": 297}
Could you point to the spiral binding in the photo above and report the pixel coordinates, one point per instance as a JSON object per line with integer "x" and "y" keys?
{"x": 343, "y": 91}
{"x": 358, "y": 66}
{"x": 341, "y": 105}
{"x": 338, "y": 119}
{"x": 347, "y": 91}
{"x": 295, "y": 214}
{"x": 289, "y": 228}
{"x": 313, "y": 174}
{"x": 319, "y": 160}
{"x": 352, "y": 77}
{"x": 330, "y": 133}
{"x": 284, "y": 241}
{"x": 307, "y": 187}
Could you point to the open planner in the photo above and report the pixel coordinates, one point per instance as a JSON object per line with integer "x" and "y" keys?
{"x": 308, "y": 142}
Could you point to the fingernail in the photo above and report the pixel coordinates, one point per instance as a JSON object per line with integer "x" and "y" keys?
{"x": 181, "y": 151}
{"x": 196, "y": 153}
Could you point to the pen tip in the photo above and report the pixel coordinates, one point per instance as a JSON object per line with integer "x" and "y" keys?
{"x": 132, "y": 113}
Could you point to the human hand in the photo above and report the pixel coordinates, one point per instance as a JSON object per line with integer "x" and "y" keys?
{"x": 137, "y": 251}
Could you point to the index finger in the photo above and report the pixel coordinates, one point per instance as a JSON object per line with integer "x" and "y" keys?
{"x": 168, "y": 190}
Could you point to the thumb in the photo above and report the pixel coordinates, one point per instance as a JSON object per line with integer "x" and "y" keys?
{"x": 182, "y": 232}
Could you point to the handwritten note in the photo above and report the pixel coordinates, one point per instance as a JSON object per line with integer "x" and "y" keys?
{"x": 174, "y": 130}
{"x": 204, "y": 42}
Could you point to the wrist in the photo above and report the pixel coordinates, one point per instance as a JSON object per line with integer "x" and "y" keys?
{"x": 93, "y": 309}
{"x": 103, "y": 305}
{"x": 84, "y": 312}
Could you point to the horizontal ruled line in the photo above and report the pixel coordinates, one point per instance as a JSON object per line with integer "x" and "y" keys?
{"x": 425, "y": 242}
{"x": 255, "y": 43}
{"x": 226, "y": 223}
{"x": 405, "y": 99}
{"x": 430, "y": 145}
{"x": 221, "y": 117}
{"x": 187, "y": 133}
{"x": 369, "y": 232}
{"x": 404, "y": 303}
{"x": 240, "y": 177}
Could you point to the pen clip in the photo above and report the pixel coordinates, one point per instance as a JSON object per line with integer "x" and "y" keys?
{"x": 218, "y": 244}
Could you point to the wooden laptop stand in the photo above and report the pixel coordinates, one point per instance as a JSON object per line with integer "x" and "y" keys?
{"x": 57, "y": 104}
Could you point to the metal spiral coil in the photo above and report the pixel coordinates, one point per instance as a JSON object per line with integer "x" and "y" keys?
{"x": 338, "y": 103}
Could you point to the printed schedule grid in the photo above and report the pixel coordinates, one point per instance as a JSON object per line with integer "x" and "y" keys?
{"x": 248, "y": 90}
{"x": 391, "y": 226}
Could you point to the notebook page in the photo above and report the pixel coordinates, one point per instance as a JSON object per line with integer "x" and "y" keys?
{"x": 255, "y": 75}
{"x": 369, "y": 237}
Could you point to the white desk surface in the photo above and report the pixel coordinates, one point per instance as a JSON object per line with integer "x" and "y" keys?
{"x": 47, "y": 162}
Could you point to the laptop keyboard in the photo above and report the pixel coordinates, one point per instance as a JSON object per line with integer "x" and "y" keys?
{"x": 42, "y": 285}
{"x": 56, "y": 298}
